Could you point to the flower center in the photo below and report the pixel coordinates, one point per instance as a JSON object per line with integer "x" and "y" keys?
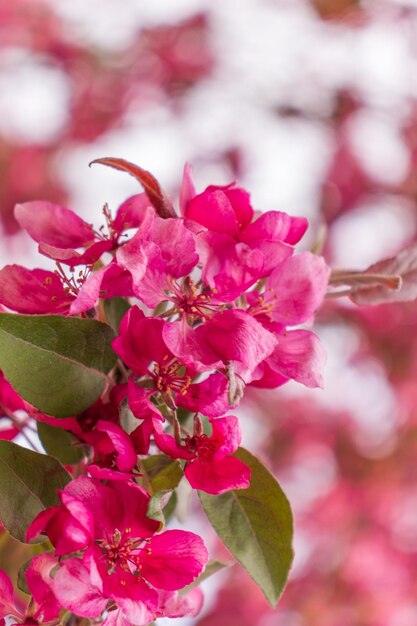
{"x": 202, "y": 445}
{"x": 123, "y": 551}
{"x": 170, "y": 376}
{"x": 189, "y": 302}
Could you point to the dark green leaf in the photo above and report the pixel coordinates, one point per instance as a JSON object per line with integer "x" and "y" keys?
{"x": 164, "y": 474}
{"x": 60, "y": 444}
{"x": 115, "y": 308}
{"x": 28, "y": 484}
{"x": 58, "y": 364}
{"x": 256, "y": 526}
{"x": 21, "y": 577}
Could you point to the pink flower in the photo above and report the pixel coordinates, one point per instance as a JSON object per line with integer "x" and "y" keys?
{"x": 33, "y": 291}
{"x": 209, "y": 465}
{"x": 229, "y": 336}
{"x": 114, "y": 454}
{"x": 142, "y": 347}
{"x": 226, "y": 216}
{"x": 123, "y": 559}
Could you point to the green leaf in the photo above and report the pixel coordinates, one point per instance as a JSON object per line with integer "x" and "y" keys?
{"x": 163, "y": 473}
{"x": 211, "y": 568}
{"x": 21, "y": 577}
{"x": 115, "y": 309}
{"x": 60, "y": 443}
{"x": 58, "y": 364}
{"x": 256, "y": 526}
{"x": 159, "y": 506}
{"x": 28, "y": 484}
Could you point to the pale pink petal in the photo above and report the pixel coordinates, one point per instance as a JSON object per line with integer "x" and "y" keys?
{"x": 41, "y": 586}
{"x": 53, "y": 224}
{"x": 75, "y": 591}
{"x": 187, "y": 191}
{"x": 176, "y": 244}
{"x": 173, "y": 604}
{"x": 117, "y": 618}
{"x": 299, "y": 286}
{"x": 173, "y": 559}
{"x": 135, "y": 256}
{"x": 299, "y": 355}
{"x": 218, "y": 476}
{"x": 137, "y": 611}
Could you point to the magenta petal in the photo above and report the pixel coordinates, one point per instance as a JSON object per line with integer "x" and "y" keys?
{"x": 233, "y": 335}
{"x": 40, "y": 584}
{"x": 9, "y": 398}
{"x": 168, "y": 445}
{"x": 125, "y": 453}
{"x": 299, "y": 355}
{"x": 41, "y": 521}
{"x": 53, "y": 224}
{"x": 106, "y": 282}
{"x": 208, "y": 397}
{"x": 104, "y": 473}
{"x": 213, "y": 210}
{"x": 218, "y": 476}
{"x": 79, "y": 510}
{"x": 71, "y": 257}
{"x": 300, "y": 284}
{"x": 228, "y": 267}
{"x": 141, "y": 343}
{"x": 132, "y": 213}
{"x": 76, "y": 592}
{"x": 275, "y": 226}
{"x": 226, "y": 431}
{"x": 173, "y": 559}
{"x": 32, "y": 291}
{"x": 7, "y": 603}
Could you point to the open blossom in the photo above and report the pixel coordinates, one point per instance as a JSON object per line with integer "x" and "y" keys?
{"x": 122, "y": 558}
{"x": 209, "y": 465}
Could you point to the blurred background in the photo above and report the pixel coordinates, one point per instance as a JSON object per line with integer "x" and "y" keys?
{"x": 311, "y": 105}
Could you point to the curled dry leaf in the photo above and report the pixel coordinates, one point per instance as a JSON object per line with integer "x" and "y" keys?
{"x": 390, "y": 280}
{"x": 152, "y": 188}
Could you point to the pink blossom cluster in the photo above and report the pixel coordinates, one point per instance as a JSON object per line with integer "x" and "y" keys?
{"x": 215, "y": 297}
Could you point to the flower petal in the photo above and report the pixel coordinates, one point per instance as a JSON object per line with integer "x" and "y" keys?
{"x": 173, "y": 559}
